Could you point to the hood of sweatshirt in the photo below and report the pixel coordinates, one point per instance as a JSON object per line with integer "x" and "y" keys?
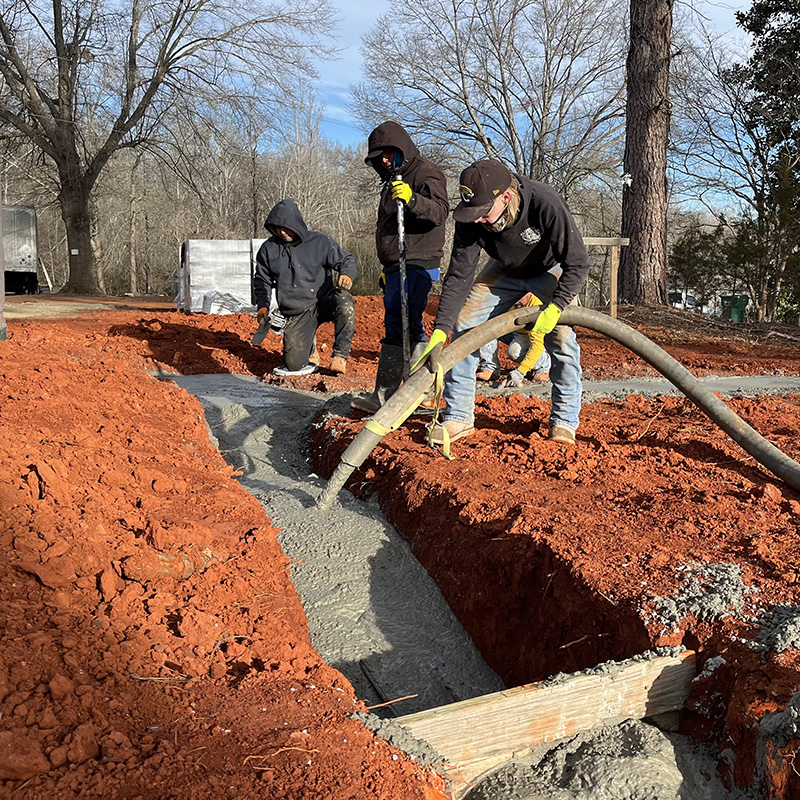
{"x": 286, "y": 214}
{"x": 389, "y": 134}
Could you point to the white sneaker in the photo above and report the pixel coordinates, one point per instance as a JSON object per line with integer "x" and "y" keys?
{"x": 285, "y": 372}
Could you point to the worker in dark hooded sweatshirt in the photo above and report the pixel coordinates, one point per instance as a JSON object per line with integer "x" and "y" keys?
{"x": 526, "y": 229}
{"x": 421, "y": 186}
{"x": 312, "y": 276}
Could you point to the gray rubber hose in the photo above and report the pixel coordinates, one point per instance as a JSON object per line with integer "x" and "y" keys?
{"x": 744, "y": 435}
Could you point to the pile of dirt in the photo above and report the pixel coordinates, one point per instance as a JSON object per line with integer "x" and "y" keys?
{"x": 152, "y": 642}
{"x": 158, "y": 339}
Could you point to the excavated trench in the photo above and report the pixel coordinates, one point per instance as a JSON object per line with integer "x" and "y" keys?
{"x": 534, "y": 608}
{"x": 375, "y": 614}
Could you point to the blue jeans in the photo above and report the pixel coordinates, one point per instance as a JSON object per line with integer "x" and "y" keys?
{"x": 493, "y": 294}
{"x": 419, "y": 284}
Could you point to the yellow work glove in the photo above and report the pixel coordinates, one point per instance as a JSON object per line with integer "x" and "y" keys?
{"x": 345, "y": 282}
{"x": 547, "y": 319}
{"x": 261, "y": 314}
{"x": 401, "y": 191}
{"x": 430, "y": 355}
{"x": 536, "y": 340}
{"x": 382, "y": 282}
{"x": 534, "y": 352}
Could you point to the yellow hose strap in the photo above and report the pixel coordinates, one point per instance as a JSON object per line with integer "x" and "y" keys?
{"x": 376, "y": 427}
{"x": 438, "y": 388}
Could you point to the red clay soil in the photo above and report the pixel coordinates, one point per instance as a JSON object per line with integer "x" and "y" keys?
{"x": 549, "y": 555}
{"x": 153, "y": 644}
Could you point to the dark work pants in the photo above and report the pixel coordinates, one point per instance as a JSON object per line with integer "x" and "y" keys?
{"x": 298, "y": 335}
{"x": 419, "y": 286}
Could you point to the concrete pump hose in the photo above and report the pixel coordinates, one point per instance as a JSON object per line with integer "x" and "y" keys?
{"x": 400, "y": 405}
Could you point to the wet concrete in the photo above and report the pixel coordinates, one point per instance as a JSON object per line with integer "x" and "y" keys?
{"x": 373, "y": 612}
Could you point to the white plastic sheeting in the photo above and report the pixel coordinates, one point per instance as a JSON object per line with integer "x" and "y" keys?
{"x": 213, "y": 271}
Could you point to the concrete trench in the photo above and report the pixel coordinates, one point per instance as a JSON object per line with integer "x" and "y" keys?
{"x": 376, "y": 615}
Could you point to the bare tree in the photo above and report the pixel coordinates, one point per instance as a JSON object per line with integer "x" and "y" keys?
{"x": 644, "y": 201}
{"x": 726, "y": 159}
{"x": 536, "y": 83}
{"x": 84, "y": 80}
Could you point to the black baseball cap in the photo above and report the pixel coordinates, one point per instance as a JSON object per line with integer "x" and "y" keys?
{"x": 481, "y": 184}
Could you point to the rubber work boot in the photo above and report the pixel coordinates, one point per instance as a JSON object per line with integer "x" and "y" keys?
{"x": 561, "y": 434}
{"x": 455, "y": 427}
{"x": 387, "y": 381}
{"x": 339, "y": 365}
{"x": 285, "y": 372}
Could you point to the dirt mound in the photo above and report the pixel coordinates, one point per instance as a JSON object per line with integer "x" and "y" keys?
{"x": 152, "y": 642}
{"x": 192, "y": 344}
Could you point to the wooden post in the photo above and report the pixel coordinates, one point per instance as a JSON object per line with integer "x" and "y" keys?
{"x": 614, "y": 242}
{"x": 482, "y": 733}
{"x": 614, "y": 269}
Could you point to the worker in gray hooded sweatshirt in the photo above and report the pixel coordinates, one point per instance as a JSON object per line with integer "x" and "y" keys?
{"x": 312, "y": 276}
{"x": 421, "y": 186}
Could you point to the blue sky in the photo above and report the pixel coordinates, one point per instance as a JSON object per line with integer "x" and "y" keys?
{"x": 358, "y": 16}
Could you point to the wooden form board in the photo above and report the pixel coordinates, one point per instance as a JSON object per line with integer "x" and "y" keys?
{"x": 482, "y": 733}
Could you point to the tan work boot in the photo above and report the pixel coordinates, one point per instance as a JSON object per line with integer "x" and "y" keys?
{"x": 561, "y": 434}
{"x": 339, "y": 365}
{"x": 454, "y": 427}
{"x": 542, "y": 376}
{"x": 485, "y": 375}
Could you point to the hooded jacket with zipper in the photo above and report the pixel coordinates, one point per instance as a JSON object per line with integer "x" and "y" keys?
{"x": 425, "y": 213}
{"x": 543, "y": 236}
{"x": 300, "y": 271}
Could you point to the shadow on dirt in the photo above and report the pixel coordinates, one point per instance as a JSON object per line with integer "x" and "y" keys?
{"x": 190, "y": 350}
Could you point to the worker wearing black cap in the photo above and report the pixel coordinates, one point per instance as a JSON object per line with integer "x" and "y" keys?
{"x": 526, "y": 229}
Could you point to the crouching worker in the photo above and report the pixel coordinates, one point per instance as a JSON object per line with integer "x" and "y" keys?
{"x": 312, "y": 276}
{"x": 423, "y": 192}
{"x": 526, "y": 229}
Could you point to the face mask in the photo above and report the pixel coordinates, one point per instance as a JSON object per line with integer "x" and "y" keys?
{"x": 499, "y": 225}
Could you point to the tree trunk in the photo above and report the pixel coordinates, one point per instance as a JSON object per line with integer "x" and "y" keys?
{"x": 77, "y": 216}
{"x": 643, "y": 266}
{"x": 133, "y": 230}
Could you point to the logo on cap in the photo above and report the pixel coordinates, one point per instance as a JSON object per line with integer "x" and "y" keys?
{"x": 466, "y": 193}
